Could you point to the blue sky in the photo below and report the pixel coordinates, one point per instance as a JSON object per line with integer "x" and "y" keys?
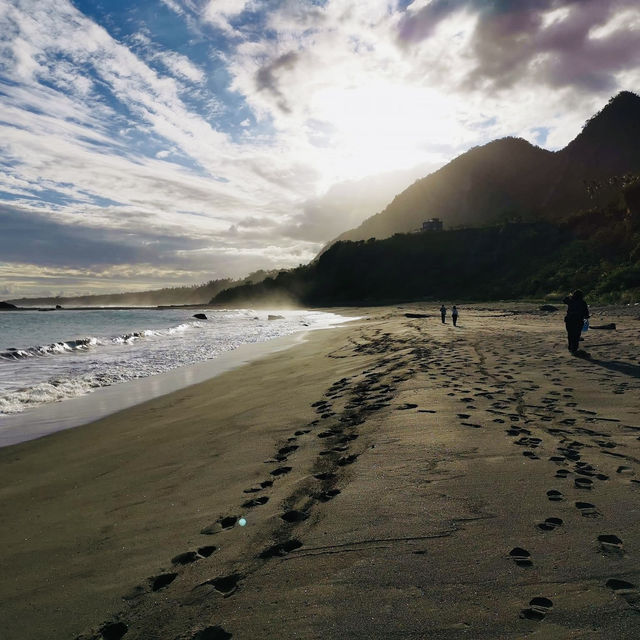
{"x": 165, "y": 142}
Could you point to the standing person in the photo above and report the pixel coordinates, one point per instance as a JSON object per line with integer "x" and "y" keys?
{"x": 577, "y": 313}
{"x": 443, "y": 313}
{"x": 454, "y": 315}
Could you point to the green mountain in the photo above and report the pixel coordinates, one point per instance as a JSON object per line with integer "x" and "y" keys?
{"x": 522, "y": 222}
{"x": 511, "y": 178}
{"x": 597, "y": 251}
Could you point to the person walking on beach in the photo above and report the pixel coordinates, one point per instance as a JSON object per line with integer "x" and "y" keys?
{"x": 454, "y": 315}
{"x": 443, "y": 313}
{"x": 577, "y": 313}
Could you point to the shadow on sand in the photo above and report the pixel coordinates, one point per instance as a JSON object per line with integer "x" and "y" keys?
{"x": 625, "y": 368}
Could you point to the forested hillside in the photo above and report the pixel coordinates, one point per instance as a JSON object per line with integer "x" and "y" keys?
{"x": 597, "y": 251}
{"x": 512, "y": 179}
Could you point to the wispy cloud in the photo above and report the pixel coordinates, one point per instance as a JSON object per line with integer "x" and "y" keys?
{"x": 226, "y": 124}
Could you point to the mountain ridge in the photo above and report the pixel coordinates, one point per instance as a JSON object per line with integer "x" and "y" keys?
{"x": 510, "y": 177}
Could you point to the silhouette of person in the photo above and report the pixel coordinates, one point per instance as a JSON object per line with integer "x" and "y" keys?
{"x": 443, "y": 313}
{"x": 454, "y": 315}
{"x": 577, "y": 313}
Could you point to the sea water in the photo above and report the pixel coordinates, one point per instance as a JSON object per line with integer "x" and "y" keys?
{"x": 48, "y": 357}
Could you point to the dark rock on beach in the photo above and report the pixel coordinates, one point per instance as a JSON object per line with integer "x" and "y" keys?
{"x": 7, "y": 306}
{"x": 200, "y": 316}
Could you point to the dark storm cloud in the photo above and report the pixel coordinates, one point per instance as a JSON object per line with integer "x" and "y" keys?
{"x": 512, "y": 42}
{"x": 30, "y": 237}
{"x": 267, "y": 77}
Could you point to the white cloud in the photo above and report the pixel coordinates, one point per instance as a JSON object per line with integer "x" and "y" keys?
{"x": 339, "y": 91}
{"x": 174, "y": 6}
{"x": 181, "y": 66}
{"x": 622, "y": 21}
{"x": 219, "y": 12}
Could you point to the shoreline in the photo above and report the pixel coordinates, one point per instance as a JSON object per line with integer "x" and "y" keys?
{"x": 51, "y": 417}
{"x": 76, "y": 412}
{"x": 386, "y": 471}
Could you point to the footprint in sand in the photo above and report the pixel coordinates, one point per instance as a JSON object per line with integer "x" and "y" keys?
{"x": 113, "y": 630}
{"x": 532, "y": 443}
{"x": 531, "y": 455}
{"x": 185, "y": 558}
{"x": 252, "y": 490}
{"x": 588, "y": 510}
{"x": 626, "y": 590}
{"x": 324, "y": 476}
{"x": 228, "y": 522}
{"x": 538, "y": 609}
{"x": 611, "y": 545}
{"x": 256, "y": 502}
{"x": 285, "y": 451}
{"x": 281, "y": 549}
{"x": 207, "y": 550}
{"x": 521, "y": 557}
{"x": 212, "y": 633}
{"x": 627, "y": 471}
{"x": 294, "y": 516}
{"x": 583, "y": 483}
{"x": 263, "y": 485}
{"x": 280, "y": 471}
{"x": 554, "y": 495}
{"x": 161, "y": 581}
{"x": 606, "y": 444}
{"x": 325, "y": 496}
{"x": 226, "y": 585}
{"x": 550, "y": 524}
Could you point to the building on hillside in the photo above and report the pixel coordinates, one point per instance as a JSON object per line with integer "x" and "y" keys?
{"x": 432, "y": 224}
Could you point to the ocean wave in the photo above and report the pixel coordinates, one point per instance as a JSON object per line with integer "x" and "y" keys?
{"x": 84, "y": 344}
{"x": 80, "y": 344}
{"x": 182, "y": 327}
{"x": 56, "y": 390}
{"x": 31, "y": 376}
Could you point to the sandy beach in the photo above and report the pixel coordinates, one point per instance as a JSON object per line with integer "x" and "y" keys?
{"x": 391, "y": 478}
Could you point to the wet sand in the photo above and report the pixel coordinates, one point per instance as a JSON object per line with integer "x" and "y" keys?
{"x": 394, "y": 478}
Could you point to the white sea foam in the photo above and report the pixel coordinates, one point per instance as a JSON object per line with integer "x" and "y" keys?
{"x": 145, "y": 343}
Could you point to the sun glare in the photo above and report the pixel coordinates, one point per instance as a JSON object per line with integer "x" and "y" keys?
{"x": 381, "y": 127}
